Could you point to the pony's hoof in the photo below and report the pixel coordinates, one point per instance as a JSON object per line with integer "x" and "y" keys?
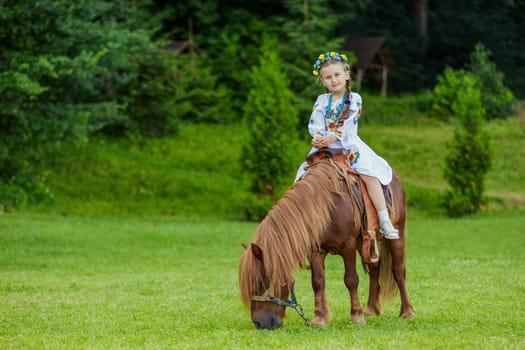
{"x": 320, "y": 322}
{"x": 358, "y": 319}
{"x": 372, "y": 311}
{"x": 408, "y": 314}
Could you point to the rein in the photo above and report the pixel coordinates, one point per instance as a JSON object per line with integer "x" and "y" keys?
{"x": 269, "y": 296}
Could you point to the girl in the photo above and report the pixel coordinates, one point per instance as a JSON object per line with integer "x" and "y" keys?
{"x": 333, "y": 124}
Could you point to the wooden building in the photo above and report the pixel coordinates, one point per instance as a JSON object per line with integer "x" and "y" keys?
{"x": 372, "y": 54}
{"x": 185, "y": 46}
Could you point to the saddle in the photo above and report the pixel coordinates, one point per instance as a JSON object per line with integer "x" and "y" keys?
{"x": 370, "y": 251}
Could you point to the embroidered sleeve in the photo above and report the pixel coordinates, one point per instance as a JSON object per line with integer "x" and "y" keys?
{"x": 359, "y": 108}
{"x": 316, "y": 125}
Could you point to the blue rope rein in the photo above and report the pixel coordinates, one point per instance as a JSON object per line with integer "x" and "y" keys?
{"x": 292, "y": 303}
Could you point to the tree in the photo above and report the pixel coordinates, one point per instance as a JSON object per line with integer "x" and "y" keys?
{"x": 421, "y": 19}
{"x": 497, "y": 98}
{"x": 270, "y": 117}
{"x": 446, "y": 93}
{"x": 60, "y": 63}
{"x": 309, "y": 31}
{"x": 469, "y": 155}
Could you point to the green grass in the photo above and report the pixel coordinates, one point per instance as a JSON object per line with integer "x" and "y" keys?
{"x": 418, "y": 156}
{"x": 198, "y": 173}
{"x": 79, "y": 282}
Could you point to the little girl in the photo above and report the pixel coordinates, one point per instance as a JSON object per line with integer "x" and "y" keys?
{"x": 333, "y": 124}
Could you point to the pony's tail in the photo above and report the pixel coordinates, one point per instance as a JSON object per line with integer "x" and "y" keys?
{"x": 387, "y": 283}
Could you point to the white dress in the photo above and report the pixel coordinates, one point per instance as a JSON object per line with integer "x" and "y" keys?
{"x": 359, "y": 156}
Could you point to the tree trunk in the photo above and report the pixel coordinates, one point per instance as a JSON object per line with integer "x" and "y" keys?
{"x": 420, "y": 14}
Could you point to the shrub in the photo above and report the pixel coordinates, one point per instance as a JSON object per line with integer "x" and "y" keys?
{"x": 469, "y": 156}
{"x": 446, "y": 92}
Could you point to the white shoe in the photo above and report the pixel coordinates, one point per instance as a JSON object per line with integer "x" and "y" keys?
{"x": 388, "y": 230}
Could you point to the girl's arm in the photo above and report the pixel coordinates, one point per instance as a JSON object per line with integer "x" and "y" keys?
{"x": 316, "y": 125}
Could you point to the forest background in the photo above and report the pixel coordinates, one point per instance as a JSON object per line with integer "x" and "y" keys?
{"x": 82, "y": 79}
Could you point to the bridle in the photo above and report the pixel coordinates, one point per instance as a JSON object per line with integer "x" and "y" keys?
{"x": 269, "y": 296}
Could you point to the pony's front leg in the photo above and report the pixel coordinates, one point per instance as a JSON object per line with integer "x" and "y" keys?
{"x": 322, "y": 312}
{"x": 352, "y": 283}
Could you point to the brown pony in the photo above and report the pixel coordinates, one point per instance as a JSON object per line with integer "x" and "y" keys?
{"x": 318, "y": 215}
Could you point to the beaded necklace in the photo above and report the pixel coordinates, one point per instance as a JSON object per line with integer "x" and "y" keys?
{"x": 334, "y": 115}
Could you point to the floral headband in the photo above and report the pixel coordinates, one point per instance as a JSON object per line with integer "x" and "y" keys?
{"x": 328, "y": 56}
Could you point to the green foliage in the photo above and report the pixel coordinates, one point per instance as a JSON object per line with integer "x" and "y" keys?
{"x": 447, "y": 90}
{"x": 496, "y": 97}
{"x": 20, "y": 192}
{"x": 151, "y": 107}
{"x": 197, "y": 172}
{"x": 57, "y": 58}
{"x": 469, "y": 155}
{"x": 270, "y": 118}
{"x": 231, "y": 32}
{"x": 199, "y": 97}
{"x": 308, "y": 29}
{"x": 235, "y": 51}
{"x": 48, "y": 84}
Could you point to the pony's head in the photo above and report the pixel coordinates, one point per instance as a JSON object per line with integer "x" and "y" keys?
{"x": 284, "y": 240}
{"x": 260, "y": 291}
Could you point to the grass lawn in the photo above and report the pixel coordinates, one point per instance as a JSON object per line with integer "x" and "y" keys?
{"x": 141, "y": 244}
{"x": 79, "y": 282}
{"x": 198, "y": 172}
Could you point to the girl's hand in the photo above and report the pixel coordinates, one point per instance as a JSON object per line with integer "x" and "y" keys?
{"x": 324, "y": 141}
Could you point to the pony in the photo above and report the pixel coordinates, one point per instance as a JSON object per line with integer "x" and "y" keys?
{"x": 318, "y": 215}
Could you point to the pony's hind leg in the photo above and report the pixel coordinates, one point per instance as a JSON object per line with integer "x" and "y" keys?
{"x": 322, "y": 312}
{"x": 373, "y": 307}
{"x": 399, "y": 272}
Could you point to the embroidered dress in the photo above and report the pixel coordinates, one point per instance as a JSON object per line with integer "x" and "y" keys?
{"x": 359, "y": 156}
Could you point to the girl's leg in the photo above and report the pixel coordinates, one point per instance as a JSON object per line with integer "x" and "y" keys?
{"x": 374, "y": 191}
{"x": 300, "y": 171}
{"x": 376, "y": 195}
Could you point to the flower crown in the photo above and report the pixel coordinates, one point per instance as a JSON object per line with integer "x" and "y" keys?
{"x": 328, "y": 56}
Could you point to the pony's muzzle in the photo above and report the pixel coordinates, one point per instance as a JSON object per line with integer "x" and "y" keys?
{"x": 268, "y": 321}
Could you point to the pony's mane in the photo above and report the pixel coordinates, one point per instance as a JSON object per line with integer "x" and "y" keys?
{"x": 291, "y": 230}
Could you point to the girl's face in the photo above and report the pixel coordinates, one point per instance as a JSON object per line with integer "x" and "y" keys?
{"x": 334, "y": 77}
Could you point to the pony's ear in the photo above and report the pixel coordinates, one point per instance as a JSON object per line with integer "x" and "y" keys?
{"x": 257, "y": 251}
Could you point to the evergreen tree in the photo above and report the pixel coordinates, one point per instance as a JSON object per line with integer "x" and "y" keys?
{"x": 270, "y": 117}
{"x": 61, "y": 63}
{"x": 497, "y": 98}
{"x": 469, "y": 155}
{"x": 309, "y": 31}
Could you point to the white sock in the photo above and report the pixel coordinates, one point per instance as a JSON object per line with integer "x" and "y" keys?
{"x": 383, "y": 215}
